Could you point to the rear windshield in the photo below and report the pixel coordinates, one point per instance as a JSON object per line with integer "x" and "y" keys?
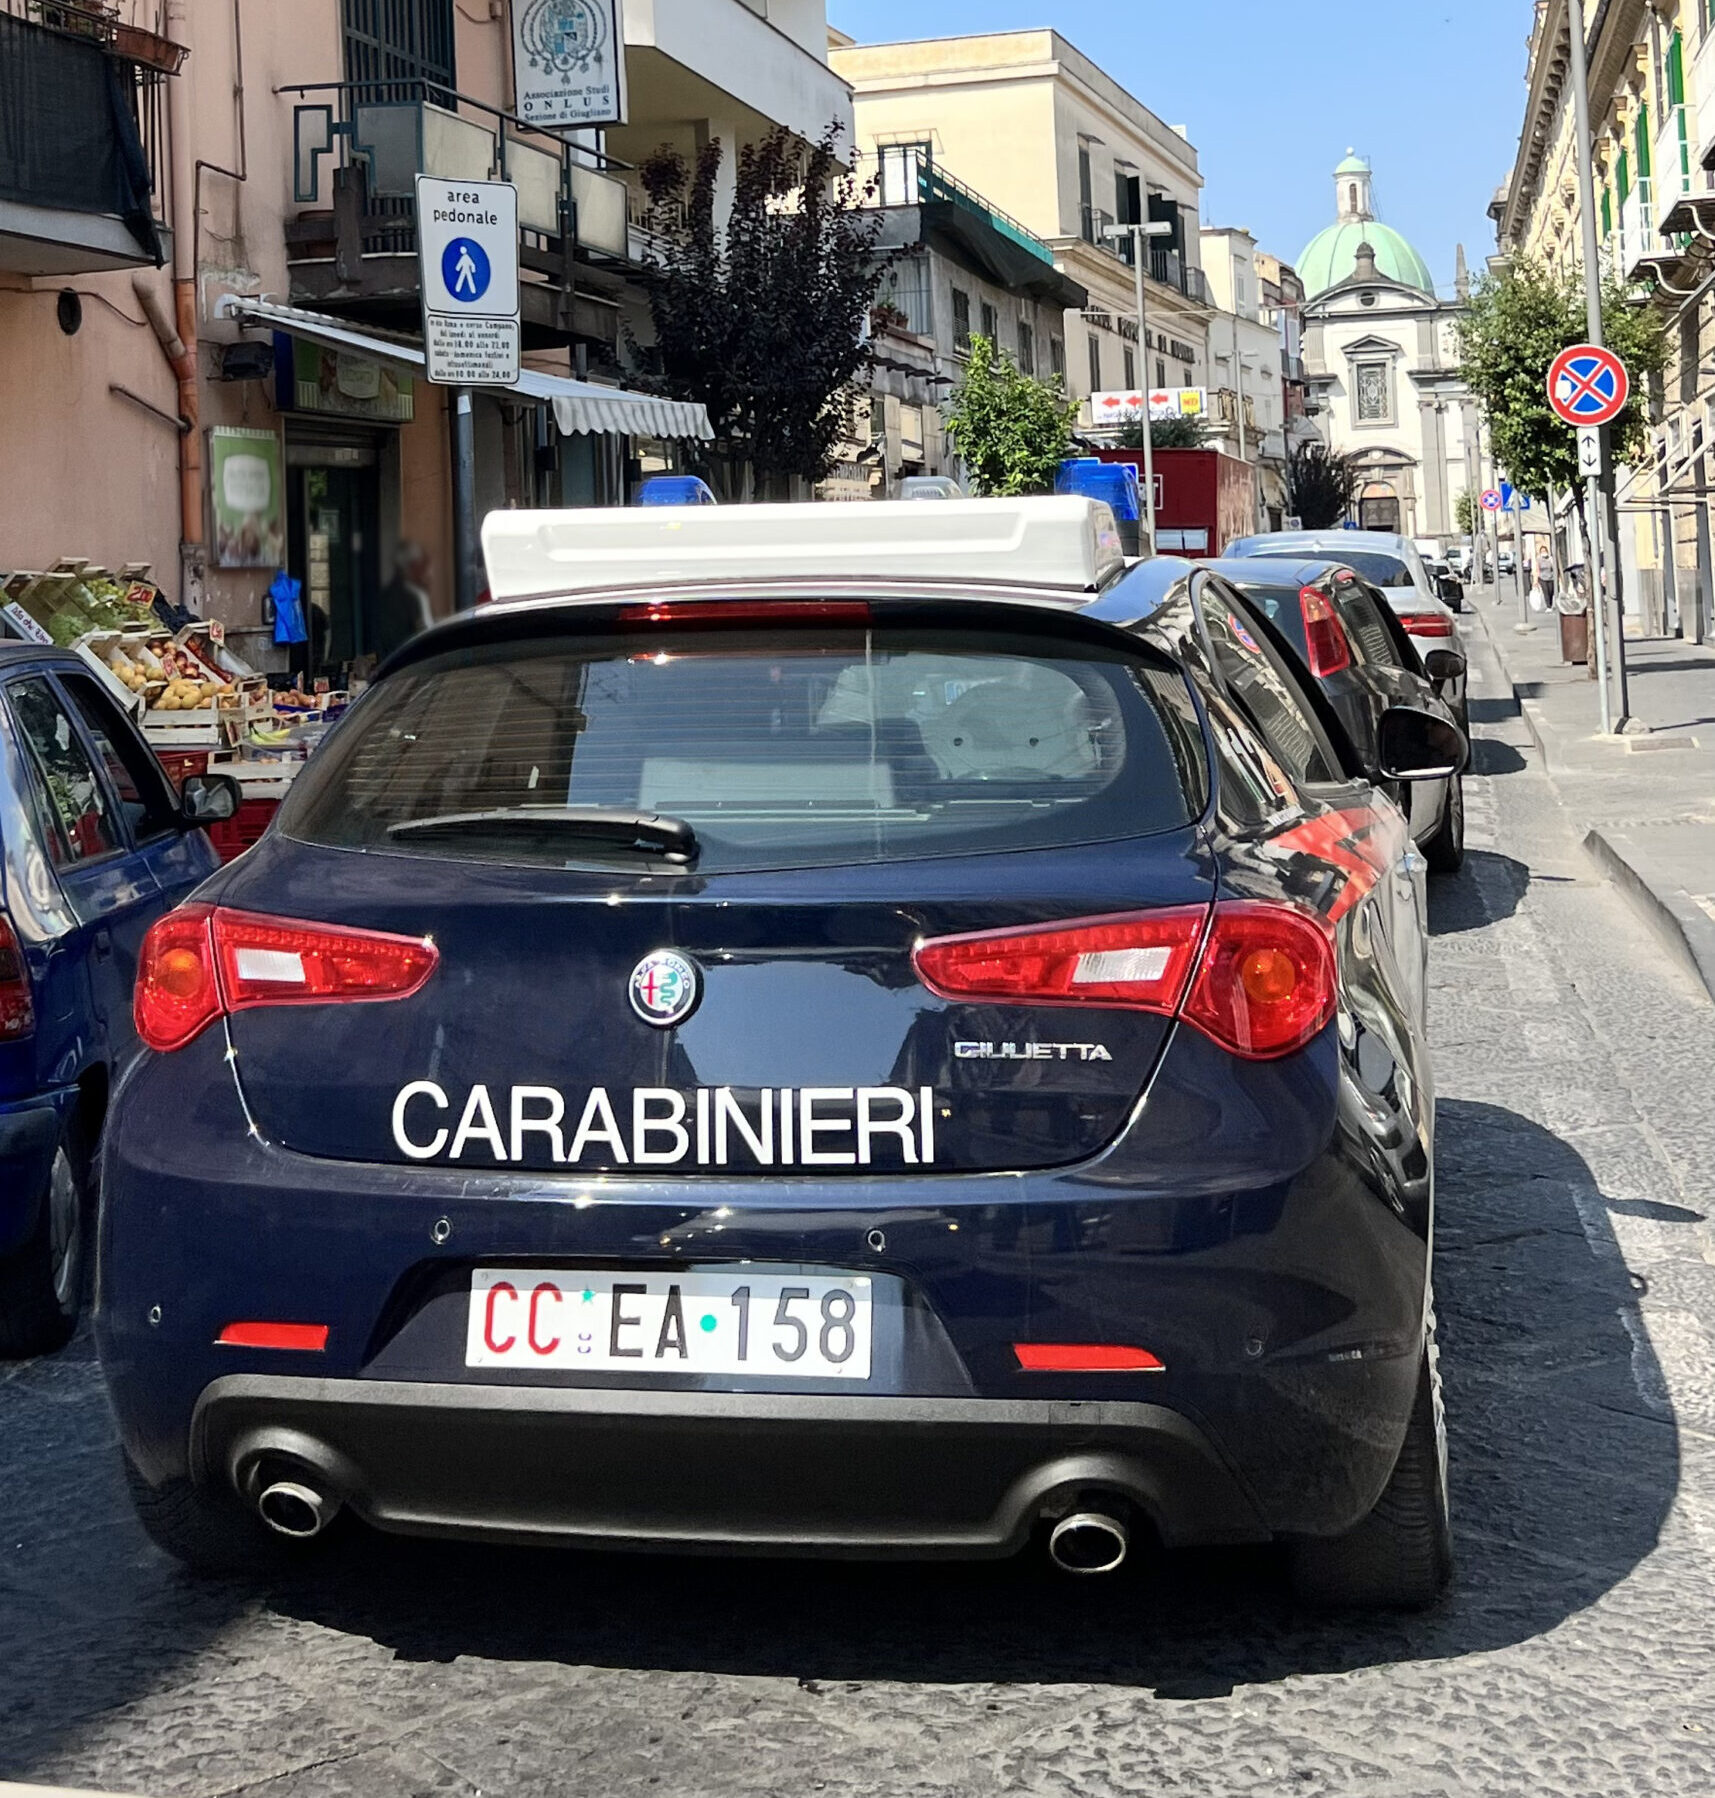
{"x": 1375, "y": 566}
{"x": 794, "y": 748}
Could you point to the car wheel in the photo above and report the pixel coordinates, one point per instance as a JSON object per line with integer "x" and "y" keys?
{"x": 208, "y": 1531}
{"x": 1445, "y": 851}
{"x": 1401, "y": 1556}
{"x": 41, "y": 1284}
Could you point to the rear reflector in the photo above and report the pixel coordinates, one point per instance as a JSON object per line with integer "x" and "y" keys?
{"x": 748, "y": 611}
{"x": 1324, "y": 634}
{"x": 1259, "y": 978}
{"x": 200, "y": 962}
{"x": 1084, "y": 1357}
{"x": 17, "y": 1006}
{"x": 1426, "y": 624}
{"x": 308, "y": 1338}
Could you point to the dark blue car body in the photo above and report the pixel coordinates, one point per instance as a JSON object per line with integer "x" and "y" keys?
{"x": 77, "y": 893}
{"x": 1264, "y": 1226}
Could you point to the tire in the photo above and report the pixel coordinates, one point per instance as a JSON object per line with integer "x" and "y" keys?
{"x": 1445, "y": 851}
{"x": 1401, "y": 1556}
{"x": 41, "y": 1284}
{"x": 209, "y": 1532}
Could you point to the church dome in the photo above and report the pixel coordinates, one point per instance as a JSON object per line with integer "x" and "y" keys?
{"x": 1331, "y": 256}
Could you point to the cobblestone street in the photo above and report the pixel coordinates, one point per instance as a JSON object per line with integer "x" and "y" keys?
{"x": 1576, "y": 1288}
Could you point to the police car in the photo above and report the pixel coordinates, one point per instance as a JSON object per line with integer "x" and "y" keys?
{"x": 805, "y": 1030}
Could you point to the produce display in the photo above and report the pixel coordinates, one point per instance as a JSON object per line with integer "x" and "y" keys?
{"x": 75, "y": 598}
{"x": 166, "y": 677}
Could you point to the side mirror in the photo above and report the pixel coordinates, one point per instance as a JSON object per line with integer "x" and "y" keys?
{"x": 209, "y": 799}
{"x": 1443, "y": 665}
{"x": 1416, "y": 745}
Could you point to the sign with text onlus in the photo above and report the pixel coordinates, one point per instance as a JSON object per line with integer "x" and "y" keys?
{"x": 467, "y": 253}
{"x": 568, "y": 62}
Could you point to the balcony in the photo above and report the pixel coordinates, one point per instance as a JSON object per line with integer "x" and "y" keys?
{"x": 358, "y": 148}
{"x": 82, "y": 140}
{"x": 1167, "y": 267}
{"x": 1634, "y": 238}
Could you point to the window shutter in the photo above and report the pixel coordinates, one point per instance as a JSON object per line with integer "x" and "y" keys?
{"x": 1623, "y": 176}
{"x": 1676, "y": 71}
{"x": 1643, "y": 142}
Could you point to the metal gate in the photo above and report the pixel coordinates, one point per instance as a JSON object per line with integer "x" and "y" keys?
{"x": 403, "y": 42}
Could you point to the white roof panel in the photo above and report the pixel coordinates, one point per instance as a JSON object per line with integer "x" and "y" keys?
{"x": 1067, "y": 543}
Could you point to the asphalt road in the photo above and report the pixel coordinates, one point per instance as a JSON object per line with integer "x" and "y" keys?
{"x": 1576, "y": 1282}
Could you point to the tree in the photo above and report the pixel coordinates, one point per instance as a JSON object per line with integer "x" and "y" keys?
{"x": 1465, "y": 512}
{"x": 762, "y": 322}
{"x": 1515, "y": 326}
{"x": 1165, "y": 433}
{"x": 1011, "y": 430}
{"x": 1320, "y": 486}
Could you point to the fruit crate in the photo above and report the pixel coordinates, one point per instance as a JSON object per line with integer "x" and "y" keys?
{"x": 244, "y": 830}
{"x": 181, "y": 763}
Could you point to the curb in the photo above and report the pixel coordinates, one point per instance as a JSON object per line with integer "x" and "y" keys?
{"x": 15, "y": 1791}
{"x": 1675, "y": 920}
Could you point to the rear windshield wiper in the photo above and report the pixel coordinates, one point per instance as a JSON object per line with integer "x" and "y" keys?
{"x": 644, "y": 833}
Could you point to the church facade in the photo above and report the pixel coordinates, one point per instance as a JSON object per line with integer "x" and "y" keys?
{"x": 1381, "y": 358}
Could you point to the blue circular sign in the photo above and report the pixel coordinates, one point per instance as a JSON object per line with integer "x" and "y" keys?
{"x": 465, "y": 270}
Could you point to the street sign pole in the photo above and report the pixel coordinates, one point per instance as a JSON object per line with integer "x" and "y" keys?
{"x": 1140, "y": 234}
{"x": 467, "y": 550}
{"x": 1579, "y": 59}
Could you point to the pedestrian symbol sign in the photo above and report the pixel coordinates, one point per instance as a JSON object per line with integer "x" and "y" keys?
{"x": 467, "y": 252}
{"x": 1588, "y": 386}
{"x": 466, "y": 270}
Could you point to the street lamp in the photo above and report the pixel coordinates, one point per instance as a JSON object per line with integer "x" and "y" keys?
{"x": 1138, "y": 233}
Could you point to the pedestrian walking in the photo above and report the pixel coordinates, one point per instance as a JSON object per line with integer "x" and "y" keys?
{"x": 1542, "y": 587}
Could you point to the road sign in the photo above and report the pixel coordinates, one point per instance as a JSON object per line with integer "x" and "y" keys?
{"x": 1590, "y": 459}
{"x": 467, "y": 251}
{"x": 1512, "y": 500}
{"x": 1492, "y": 501}
{"x": 1588, "y": 386}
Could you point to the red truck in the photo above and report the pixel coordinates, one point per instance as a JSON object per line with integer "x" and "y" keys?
{"x": 1203, "y": 499}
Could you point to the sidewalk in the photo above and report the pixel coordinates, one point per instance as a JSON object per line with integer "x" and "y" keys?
{"x": 1646, "y": 803}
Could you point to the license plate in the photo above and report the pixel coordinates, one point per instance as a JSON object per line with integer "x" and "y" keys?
{"x": 792, "y": 1326}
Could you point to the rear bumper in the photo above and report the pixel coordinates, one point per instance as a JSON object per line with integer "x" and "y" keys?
{"x": 29, "y": 1134}
{"x": 761, "y": 1473}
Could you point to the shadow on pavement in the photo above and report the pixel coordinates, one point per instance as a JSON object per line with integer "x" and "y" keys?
{"x": 1491, "y": 756}
{"x": 1492, "y": 711}
{"x": 1489, "y": 888}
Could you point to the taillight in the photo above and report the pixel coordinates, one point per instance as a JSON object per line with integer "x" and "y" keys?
{"x": 17, "y": 1007}
{"x": 1324, "y": 634}
{"x": 1141, "y": 961}
{"x": 747, "y": 611}
{"x": 1257, "y": 978}
{"x": 1426, "y": 624}
{"x": 201, "y": 962}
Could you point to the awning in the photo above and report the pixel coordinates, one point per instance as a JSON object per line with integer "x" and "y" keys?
{"x": 579, "y": 406}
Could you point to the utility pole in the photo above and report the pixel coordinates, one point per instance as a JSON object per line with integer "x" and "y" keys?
{"x": 1140, "y": 233}
{"x": 1595, "y": 504}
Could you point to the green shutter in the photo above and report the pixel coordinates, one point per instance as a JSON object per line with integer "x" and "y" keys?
{"x": 1623, "y": 176}
{"x": 1676, "y": 71}
{"x": 1607, "y": 212}
{"x": 1642, "y": 136}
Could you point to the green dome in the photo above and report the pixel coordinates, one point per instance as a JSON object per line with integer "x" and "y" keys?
{"x": 1332, "y": 257}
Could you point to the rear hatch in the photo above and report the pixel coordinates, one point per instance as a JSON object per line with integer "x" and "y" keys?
{"x": 827, "y": 790}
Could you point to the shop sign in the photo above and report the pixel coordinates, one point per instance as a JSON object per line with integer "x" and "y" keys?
{"x": 24, "y": 624}
{"x": 310, "y": 377}
{"x": 568, "y": 60}
{"x": 247, "y": 485}
{"x": 1125, "y": 406}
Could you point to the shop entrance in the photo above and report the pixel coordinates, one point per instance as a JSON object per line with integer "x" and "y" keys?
{"x": 333, "y": 492}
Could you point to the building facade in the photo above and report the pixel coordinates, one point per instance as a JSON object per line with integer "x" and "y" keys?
{"x": 259, "y": 178}
{"x": 1652, "y": 115}
{"x": 1057, "y": 145}
{"x": 1381, "y": 369}
{"x": 1247, "y": 411}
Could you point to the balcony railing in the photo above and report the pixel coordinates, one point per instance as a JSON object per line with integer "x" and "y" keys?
{"x": 383, "y": 134}
{"x": 908, "y": 175}
{"x": 1634, "y": 235}
{"x": 83, "y": 163}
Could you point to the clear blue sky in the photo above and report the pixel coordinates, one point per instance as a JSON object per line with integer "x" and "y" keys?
{"x": 1432, "y": 91}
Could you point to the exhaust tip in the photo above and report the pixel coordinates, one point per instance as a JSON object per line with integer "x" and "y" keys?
{"x": 1088, "y": 1542}
{"x": 290, "y": 1508}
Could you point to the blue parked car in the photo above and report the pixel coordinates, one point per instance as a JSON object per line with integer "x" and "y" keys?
{"x": 94, "y": 845}
{"x": 910, "y": 1049}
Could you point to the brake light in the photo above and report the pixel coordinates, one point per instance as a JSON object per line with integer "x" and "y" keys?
{"x": 1141, "y": 961}
{"x": 1324, "y": 634}
{"x": 747, "y": 611}
{"x": 17, "y": 1005}
{"x": 201, "y": 962}
{"x": 1426, "y": 624}
{"x": 1259, "y": 979}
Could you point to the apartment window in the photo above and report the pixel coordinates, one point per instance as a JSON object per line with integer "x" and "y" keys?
{"x": 961, "y": 319}
{"x": 1130, "y": 371}
{"x": 1374, "y": 399}
{"x": 1160, "y": 372}
{"x": 409, "y": 42}
{"x": 1190, "y": 378}
{"x": 1026, "y": 347}
{"x": 1057, "y": 357}
{"x": 991, "y": 324}
{"x": 1095, "y": 363}
{"x": 899, "y": 172}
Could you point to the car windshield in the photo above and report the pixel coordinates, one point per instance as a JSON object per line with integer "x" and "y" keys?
{"x": 769, "y": 748}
